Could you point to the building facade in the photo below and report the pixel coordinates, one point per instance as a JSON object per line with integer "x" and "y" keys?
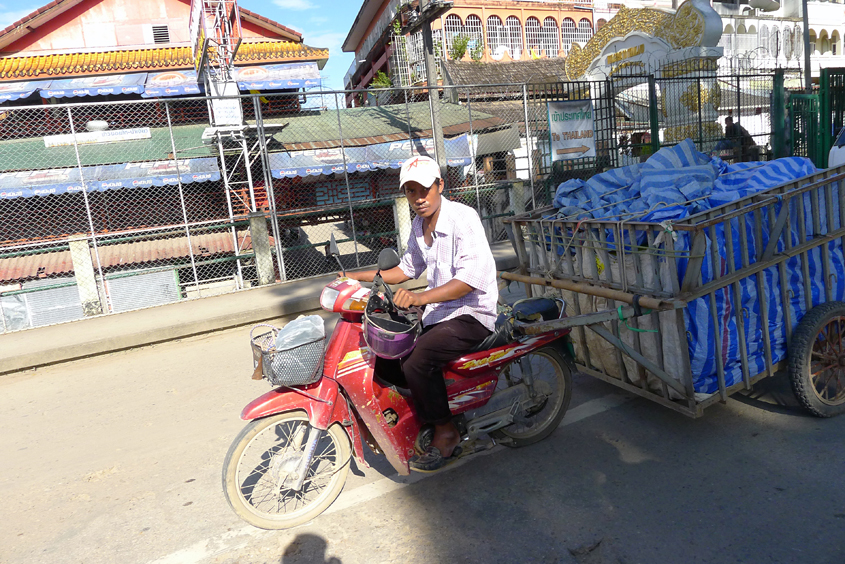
{"x": 499, "y": 31}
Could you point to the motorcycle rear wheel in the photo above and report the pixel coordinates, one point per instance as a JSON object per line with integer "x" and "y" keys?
{"x": 548, "y": 365}
{"x": 258, "y": 497}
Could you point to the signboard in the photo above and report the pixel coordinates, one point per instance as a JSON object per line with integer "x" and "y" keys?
{"x": 96, "y": 86}
{"x": 277, "y": 77}
{"x": 90, "y": 137}
{"x": 571, "y": 132}
{"x": 171, "y": 83}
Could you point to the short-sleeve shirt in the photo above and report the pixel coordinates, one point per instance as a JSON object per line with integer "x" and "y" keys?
{"x": 459, "y": 250}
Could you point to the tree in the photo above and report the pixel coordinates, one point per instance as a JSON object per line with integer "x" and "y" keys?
{"x": 381, "y": 80}
{"x": 460, "y": 42}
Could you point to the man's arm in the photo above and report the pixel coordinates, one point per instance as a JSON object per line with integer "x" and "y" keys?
{"x": 451, "y": 290}
{"x": 393, "y": 276}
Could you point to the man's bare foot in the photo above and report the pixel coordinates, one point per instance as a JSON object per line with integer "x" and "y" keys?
{"x": 446, "y": 438}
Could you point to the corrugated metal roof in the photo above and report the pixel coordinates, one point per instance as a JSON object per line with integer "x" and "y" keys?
{"x": 137, "y": 253}
{"x": 380, "y": 124}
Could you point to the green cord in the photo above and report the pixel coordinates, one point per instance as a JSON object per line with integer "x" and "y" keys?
{"x": 624, "y": 322}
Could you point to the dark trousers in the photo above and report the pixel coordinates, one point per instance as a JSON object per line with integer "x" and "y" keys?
{"x": 423, "y": 368}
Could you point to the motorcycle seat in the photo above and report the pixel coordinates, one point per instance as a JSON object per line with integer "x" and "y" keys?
{"x": 526, "y": 310}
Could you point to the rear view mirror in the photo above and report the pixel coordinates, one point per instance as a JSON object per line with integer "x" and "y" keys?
{"x": 333, "y": 250}
{"x": 387, "y": 259}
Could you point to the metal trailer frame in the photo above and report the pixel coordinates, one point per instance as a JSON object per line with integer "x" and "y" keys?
{"x": 537, "y": 241}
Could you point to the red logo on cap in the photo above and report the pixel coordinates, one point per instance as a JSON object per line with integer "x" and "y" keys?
{"x": 413, "y": 163}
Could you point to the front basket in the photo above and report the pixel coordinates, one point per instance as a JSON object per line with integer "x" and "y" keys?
{"x": 297, "y": 366}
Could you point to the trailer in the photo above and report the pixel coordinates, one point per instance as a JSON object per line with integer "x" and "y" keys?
{"x": 688, "y": 312}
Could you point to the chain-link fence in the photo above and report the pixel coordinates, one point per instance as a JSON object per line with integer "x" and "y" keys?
{"x": 108, "y": 207}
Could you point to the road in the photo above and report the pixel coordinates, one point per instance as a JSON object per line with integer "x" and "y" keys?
{"x": 117, "y": 459}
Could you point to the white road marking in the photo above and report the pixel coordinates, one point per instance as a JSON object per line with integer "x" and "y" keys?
{"x": 233, "y": 540}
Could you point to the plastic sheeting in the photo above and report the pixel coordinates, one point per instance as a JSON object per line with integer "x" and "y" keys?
{"x": 679, "y": 181}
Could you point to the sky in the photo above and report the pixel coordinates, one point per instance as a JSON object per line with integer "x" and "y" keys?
{"x": 322, "y": 23}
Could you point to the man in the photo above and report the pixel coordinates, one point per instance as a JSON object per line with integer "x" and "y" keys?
{"x": 447, "y": 240}
{"x": 740, "y": 137}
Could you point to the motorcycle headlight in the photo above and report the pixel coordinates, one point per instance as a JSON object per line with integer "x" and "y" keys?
{"x": 328, "y": 298}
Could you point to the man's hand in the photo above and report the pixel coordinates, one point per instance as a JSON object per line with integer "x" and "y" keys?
{"x": 404, "y": 299}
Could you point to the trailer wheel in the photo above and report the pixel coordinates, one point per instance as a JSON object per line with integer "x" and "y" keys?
{"x": 817, "y": 360}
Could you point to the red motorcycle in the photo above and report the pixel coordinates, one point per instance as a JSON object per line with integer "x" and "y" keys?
{"x": 290, "y": 462}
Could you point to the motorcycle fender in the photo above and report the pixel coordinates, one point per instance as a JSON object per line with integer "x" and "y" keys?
{"x": 321, "y": 414}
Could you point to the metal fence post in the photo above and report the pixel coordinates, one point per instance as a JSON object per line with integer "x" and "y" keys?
{"x": 778, "y": 116}
{"x": 87, "y": 210}
{"x": 528, "y": 145}
{"x": 268, "y": 186}
{"x": 181, "y": 194}
{"x": 346, "y": 180}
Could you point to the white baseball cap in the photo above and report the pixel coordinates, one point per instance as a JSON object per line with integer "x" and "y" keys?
{"x": 424, "y": 170}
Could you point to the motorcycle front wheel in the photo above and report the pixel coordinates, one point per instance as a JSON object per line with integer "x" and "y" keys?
{"x": 256, "y": 469}
{"x": 546, "y": 365}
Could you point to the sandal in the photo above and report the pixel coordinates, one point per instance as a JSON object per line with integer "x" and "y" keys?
{"x": 432, "y": 460}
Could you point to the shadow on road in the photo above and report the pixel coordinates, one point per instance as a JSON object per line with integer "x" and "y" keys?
{"x": 308, "y": 549}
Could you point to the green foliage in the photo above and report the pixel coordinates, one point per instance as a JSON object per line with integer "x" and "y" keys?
{"x": 381, "y": 80}
{"x": 477, "y": 52}
{"x": 397, "y": 27}
{"x": 460, "y": 42}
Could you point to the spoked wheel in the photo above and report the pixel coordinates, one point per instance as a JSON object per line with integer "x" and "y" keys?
{"x": 552, "y": 374}
{"x": 260, "y": 467}
{"x": 817, "y": 360}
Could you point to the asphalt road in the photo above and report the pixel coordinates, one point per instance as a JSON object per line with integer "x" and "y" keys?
{"x": 118, "y": 459}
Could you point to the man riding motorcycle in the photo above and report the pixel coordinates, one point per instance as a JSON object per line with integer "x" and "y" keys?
{"x": 449, "y": 243}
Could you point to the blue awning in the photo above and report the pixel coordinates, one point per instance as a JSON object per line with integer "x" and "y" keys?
{"x": 172, "y": 83}
{"x": 372, "y": 157}
{"x": 277, "y": 77}
{"x": 96, "y": 86}
{"x": 107, "y": 177}
{"x": 18, "y": 90}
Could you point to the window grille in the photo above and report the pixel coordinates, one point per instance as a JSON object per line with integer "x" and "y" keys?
{"x": 568, "y": 34}
{"x": 532, "y": 34}
{"x": 497, "y": 37}
{"x": 452, "y": 26}
{"x": 161, "y": 34}
{"x": 473, "y": 28}
{"x": 601, "y": 23}
{"x": 787, "y": 42}
{"x": 798, "y": 42}
{"x": 774, "y": 42}
{"x": 585, "y": 31}
{"x": 763, "y": 38}
{"x": 551, "y": 37}
{"x": 515, "y": 37}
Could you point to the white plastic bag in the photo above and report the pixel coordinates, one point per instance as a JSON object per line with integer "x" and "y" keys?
{"x": 303, "y": 329}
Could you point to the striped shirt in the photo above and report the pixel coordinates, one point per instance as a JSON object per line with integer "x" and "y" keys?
{"x": 459, "y": 251}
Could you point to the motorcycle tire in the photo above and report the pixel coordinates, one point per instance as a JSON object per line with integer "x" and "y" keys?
{"x": 533, "y": 426}
{"x": 265, "y": 446}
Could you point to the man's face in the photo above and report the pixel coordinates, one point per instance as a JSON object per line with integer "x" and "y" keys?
{"x": 425, "y": 201}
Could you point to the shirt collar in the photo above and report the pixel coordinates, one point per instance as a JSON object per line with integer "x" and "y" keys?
{"x": 445, "y": 224}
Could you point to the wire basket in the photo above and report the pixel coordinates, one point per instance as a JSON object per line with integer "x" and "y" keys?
{"x": 297, "y": 366}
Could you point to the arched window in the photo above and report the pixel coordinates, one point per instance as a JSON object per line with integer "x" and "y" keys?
{"x": 763, "y": 37}
{"x": 472, "y": 27}
{"x": 532, "y": 34}
{"x": 774, "y": 42}
{"x": 798, "y": 42}
{"x": 585, "y": 31}
{"x": 752, "y": 30}
{"x": 497, "y": 35}
{"x": 568, "y": 34}
{"x": 788, "y": 36}
{"x": 514, "y": 36}
{"x": 452, "y": 26}
{"x": 740, "y": 29}
{"x": 601, "y": 23}
{"x": 551, "y": 37}
{"x": 728, "y": 29}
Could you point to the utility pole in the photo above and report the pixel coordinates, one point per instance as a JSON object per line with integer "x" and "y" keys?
{"x": 420, "y": 18}
{"x": 808, "y": 73}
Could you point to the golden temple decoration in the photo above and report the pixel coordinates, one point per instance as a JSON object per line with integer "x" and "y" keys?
{"x": 678, "y": 133}
{"x": 684, "y": 28}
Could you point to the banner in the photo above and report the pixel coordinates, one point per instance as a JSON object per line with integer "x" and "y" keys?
{"x": 277, "y": 77}
{"x": 571, "y": 131}
{"x": 172, "y": 83}
{"x": 96, "y": 86}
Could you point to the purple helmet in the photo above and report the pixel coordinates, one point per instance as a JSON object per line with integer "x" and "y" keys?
{"x": 390, "y": 335}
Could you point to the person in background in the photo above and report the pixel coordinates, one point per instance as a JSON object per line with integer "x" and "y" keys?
{"x": 740, "y": 138}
